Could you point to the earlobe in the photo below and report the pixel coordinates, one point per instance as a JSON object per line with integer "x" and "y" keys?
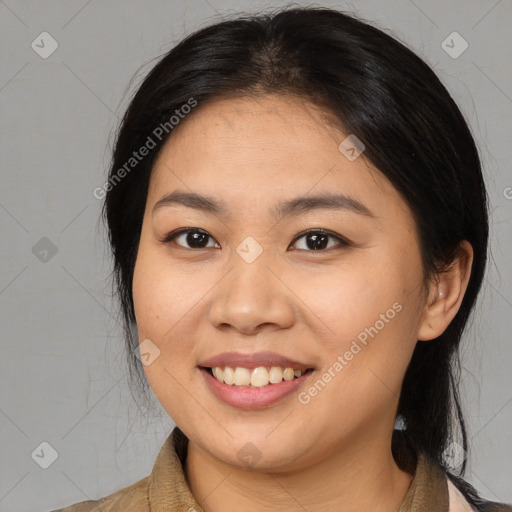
{"x": 446, "y": 293}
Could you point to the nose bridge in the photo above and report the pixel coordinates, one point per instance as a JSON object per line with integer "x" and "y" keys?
{"x": 251, "y": 275}
{"x": 250, "y": 294}
{"x": 250, "y": 260}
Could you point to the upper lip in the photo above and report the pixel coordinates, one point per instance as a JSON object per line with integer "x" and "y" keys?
{"x": 257, "y": 359}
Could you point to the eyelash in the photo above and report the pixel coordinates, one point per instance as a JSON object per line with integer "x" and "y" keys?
{"x": 343, "y": 242}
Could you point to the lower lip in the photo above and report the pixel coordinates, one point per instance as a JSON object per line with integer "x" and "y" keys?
{"x": 254, "y": 397}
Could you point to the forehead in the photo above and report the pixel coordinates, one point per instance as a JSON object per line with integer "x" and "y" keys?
{"x": 254, "y": 151}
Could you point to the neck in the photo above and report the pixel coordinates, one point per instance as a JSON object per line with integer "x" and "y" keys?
{"x": 355, "y": 478}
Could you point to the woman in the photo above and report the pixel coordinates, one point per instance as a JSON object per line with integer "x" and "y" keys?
{"x": 299, "y": 226}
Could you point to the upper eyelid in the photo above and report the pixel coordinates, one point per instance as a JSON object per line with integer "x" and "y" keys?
{"x": 320, "y": 230}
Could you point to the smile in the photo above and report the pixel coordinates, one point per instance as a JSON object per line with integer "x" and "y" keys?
{"x": 253, "y": 388}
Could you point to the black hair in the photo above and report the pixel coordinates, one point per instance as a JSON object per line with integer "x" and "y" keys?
{"x": 377, "y": 89}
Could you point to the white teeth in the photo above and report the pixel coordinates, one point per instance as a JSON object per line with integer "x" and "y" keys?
{"x": 275, "y": 375}
{"x": 258, "y": 377}
{"x": 228, "y": 375}
{"x": 288, "y": 374}
{"x": 242, "y": 376}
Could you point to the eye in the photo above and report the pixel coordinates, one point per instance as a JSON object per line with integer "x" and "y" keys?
{"x": 318, "y": 240}
{"x": 195, "y": 237}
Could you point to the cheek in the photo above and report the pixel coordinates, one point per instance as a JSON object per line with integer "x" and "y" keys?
{"x": 161, "y": 302}
{"x": 161, "y": 295}
{"x": 168, "y": 301}
{"x": 352, "y": 297}
{"x": 369, "y": 314}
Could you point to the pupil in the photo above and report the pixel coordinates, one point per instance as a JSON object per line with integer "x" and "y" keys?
{"x": 196, "y": 239}
{"x": 318, "y": 241}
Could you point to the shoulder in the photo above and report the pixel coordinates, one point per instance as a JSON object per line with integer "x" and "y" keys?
{"x": 438, "y": 489}
{"x": 464, "y": 498}
{"x": 134, "y": 498}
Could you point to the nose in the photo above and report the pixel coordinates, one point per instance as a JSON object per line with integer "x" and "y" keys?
{"x": 251, "y": 298}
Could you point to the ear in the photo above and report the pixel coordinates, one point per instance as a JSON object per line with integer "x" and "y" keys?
{"x": 445, "y": 294}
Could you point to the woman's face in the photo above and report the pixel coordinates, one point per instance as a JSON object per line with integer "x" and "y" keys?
{"x": 246, "y": 279}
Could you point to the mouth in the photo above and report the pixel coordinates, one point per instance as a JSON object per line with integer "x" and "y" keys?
{"x": 254, "y": 388}
{"x": 257, "y": 377}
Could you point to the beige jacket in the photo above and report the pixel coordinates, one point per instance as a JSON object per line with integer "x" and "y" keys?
{"x": 166, "y": 489}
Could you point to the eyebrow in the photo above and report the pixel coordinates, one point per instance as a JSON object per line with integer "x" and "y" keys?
{"x": 284, "y": 209}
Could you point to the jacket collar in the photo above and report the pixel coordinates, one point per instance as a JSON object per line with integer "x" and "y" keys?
{"x": 168, "y": 488}
{"x": 428, "y": 491}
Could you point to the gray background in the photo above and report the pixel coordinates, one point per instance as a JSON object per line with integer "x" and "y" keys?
{"x": 63, "y": 375}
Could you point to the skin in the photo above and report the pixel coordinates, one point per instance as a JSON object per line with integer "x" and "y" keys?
{"x": 333, "y": 453}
